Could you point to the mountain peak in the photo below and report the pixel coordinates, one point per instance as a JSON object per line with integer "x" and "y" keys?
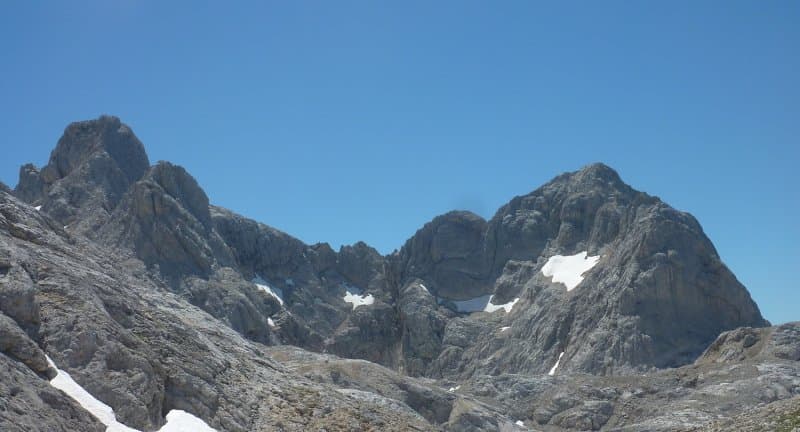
{"x": 599, "y": 170}
{"x": 82, "y": 140}
{"x": 91, "y": 167}
{"x": 595, "y": 174}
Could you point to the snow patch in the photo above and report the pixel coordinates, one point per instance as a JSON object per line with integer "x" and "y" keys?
{"x": 274, "y": 292}
{"x": 555, "y": 366}
{"x": 356, "y": 299}
{"x": 519, "y": 423}
{"x": 37, "y": 208}
{"x": 505, "y": 306}
{"x": 177, "y": 420}
{"x": 64, "y": 382}
{"x": 453, "y": 389}
{"x": 502, "y": 329}
{"x": 356, "y": 296}
{"x": 270, "y": 322}
{"x": 569, "y": 270}
{"x": 483, "y": 304}
{"x": 182, "y": 421}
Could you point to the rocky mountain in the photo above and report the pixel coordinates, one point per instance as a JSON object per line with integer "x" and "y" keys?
{"x": 582, "y": 305}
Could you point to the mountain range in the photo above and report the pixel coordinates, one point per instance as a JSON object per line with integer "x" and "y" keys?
{"x": 582, "y": 305}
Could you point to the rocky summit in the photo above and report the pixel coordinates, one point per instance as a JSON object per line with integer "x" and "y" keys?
{"x": 129, "y": 302}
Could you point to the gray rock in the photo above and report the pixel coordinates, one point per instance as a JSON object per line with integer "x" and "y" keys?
{"x": 28, "y": 403}
{"x": 31, "y": 187}
{"x": 93, "y": 165}
{"x": 423, "y": 328}
{"x": 148, "y": 300}
{"x": 165, "y": 220}
{"x": 143, "y": 350}
{"x": 16, "y": 344}
{"x": 448, "y": 253}
{"x": 651, "y": 301}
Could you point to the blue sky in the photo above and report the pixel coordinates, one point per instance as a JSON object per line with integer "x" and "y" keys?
{"x": 346, "y": 121}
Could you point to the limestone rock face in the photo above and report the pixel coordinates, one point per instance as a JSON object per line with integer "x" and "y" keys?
{"x": 657, "y": 296}
{"x": 134, "y": 344}
{"x": 583, "y": 305}
{"x": 165, "y": 219}
{"x": 91, "y": 168}
{"x": 449, "y": 253}
{"x": 31, "y": 187}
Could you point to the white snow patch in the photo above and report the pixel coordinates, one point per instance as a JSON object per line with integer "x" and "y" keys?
{"x": 270, "y": 322}
{"x": 274, "y": 292}
{"x": 502, "y": 329}
{"x": 506, "y": 306}
{"x": 177, "y": 420}
{"x": 37, "y": 208}
{"x": 452, "y": 389}
{"x": 483, "y": 303}
{"x": 182, "y": 421}
{"x": 425, "y": 288}
{"x": 357, "y": 299}
{"x": 569, "y": 270}
{"x": 555, "y": 366}
{"x": 519, "y": 423}
{"x": 64, "y": 382}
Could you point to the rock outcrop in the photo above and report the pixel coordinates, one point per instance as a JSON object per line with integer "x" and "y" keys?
{"x": 165, "y": 219}
{"x": 91, "y": 168}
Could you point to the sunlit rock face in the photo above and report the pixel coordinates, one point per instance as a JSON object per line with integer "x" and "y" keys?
{"x": 155, "y": 301}
{"x": 614, "y": 278}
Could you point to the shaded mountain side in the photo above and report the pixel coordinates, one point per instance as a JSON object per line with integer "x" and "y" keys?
{"x": 656, "y": 297}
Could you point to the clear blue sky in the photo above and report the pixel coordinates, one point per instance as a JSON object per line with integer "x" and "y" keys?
{"x": 346, "y": 121}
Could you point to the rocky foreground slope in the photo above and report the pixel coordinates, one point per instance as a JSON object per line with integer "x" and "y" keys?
{"x": 584, "y": 305}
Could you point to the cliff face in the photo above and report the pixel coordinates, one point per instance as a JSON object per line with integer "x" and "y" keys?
{"x": 646, "y": 288}
{"x": 655, "y": 295}
{"x": 93, "y": 165}
{"x": 584, "y": 274}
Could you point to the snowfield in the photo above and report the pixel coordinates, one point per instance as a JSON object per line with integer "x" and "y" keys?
{"x": 569, "y": 270}
{"x": 177, "y": 420}
{"x": 274, "y": 292}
